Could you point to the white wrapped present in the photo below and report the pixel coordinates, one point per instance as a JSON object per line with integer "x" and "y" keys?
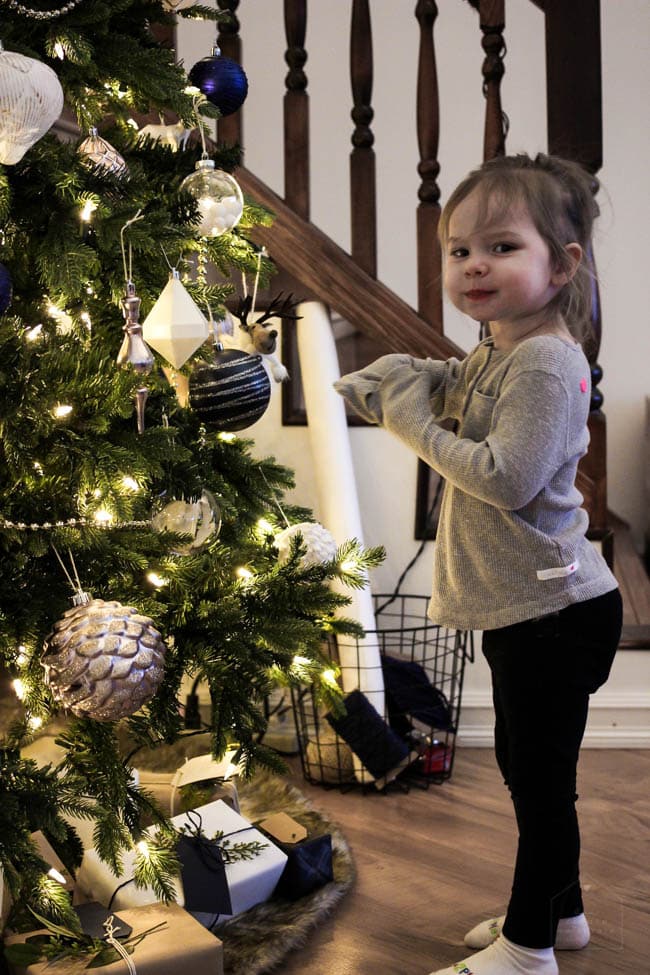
{"x": 249, "y": 882}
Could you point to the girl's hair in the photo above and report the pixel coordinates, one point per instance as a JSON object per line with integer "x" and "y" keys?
{"x": 559, "y": 196}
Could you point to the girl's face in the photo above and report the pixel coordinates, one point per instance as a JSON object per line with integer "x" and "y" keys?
{"x": 497, "y": 267}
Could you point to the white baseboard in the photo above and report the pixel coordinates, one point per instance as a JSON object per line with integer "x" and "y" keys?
{"x": 617, "y": 719}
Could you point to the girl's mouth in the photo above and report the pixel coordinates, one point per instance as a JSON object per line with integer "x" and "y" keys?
{"x": 478, "y": 295}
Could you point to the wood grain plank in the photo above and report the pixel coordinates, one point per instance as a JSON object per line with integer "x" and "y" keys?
{"x": 432, "y": 863}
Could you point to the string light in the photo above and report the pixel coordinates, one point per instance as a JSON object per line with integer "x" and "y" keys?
{"x": 34, "y": 724}
{"x": 61, "y": 410}
{"x": 22, "y": 657}
{"x": 329, "y": 677}
{"x": 226, "y": 437}
{"x": 33, "y": 333}
{"x": 156, "y": 580}
{"x": 58, "y": 50}
{"x": 55, "y": 875}
{"x": 85, "y": 318}
{"x": 38, "y": 468}
{"x": 130, "y": 483}
{"x": 349, "y": 565}
{"x": 244, "y": 574}
{"x": 143, "y": 848}
{"x": 19, "y": 688}
{"x": 264, "y": 526}
{"x": 103, "y": 516}
{"x": 87, "y": 211}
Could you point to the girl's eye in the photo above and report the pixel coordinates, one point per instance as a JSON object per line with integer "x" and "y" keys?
{"x": 459, "y": 252}
{"x": 503, "y": 248}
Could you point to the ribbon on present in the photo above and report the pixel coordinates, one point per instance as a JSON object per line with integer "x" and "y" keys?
{"x": 203, "y": 870}
{"x": 111, "y": 929}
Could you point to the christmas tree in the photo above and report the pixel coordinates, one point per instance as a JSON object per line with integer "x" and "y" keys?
{"x": 167, "y": 527}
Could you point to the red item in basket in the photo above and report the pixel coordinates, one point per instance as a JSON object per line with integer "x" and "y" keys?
{"x": 436, "y": 758}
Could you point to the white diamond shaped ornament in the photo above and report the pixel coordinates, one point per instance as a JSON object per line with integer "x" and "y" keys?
{"x": 31, "y": 100}
{"x": 175, "y": 327}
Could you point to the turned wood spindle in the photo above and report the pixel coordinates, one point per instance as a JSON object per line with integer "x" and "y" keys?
{"x": 428, "y": 132}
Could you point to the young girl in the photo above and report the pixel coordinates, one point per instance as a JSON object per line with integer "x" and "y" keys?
{"x": 511, "y": 557}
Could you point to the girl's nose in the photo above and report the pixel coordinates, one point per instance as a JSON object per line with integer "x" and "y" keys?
{"x": 476, "y": 269}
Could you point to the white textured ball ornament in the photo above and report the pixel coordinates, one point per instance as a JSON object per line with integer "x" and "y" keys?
{"x": 103, "y": 660}
{"x": 318, "y": 541}
{"x": 31, "y": 100}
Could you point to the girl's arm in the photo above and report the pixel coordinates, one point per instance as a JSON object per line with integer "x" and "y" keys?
{"x": 526, "y": 444}
{"x": 442, "y": 379}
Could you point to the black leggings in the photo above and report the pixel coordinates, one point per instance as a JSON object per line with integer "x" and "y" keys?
{"x": 543, "y": 671}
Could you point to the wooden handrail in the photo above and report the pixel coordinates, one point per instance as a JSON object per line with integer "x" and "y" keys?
{"x": 331, "y": 275}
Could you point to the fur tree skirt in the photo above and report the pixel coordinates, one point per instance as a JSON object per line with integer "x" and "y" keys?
{"x": 256, "y": 941}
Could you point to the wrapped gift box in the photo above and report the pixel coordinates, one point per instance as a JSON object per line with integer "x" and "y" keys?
{"x": 249, "y": 882}
{"x": 309, "y": 858}
{"x": 181, "y": 943}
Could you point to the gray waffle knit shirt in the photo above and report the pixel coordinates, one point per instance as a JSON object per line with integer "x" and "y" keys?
{"x": 511, "y": 539}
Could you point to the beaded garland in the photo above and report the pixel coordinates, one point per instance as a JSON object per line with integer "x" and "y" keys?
{"x": 22, "y": 526}
{"x": 42, "y": 14}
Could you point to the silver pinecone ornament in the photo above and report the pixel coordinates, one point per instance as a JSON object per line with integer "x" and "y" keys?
{"x": 318, "y": 541}
{"x": 103, "y": 660}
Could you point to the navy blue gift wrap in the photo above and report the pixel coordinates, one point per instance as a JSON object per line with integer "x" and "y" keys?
{"x": 368, "y": 735}
{"x": 409, "y": 692}
{"x": 308, "y": 867}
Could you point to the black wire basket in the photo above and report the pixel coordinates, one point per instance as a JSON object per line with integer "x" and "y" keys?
{"x": 414, "y": 740}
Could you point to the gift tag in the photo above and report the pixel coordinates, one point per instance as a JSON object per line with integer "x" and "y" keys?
{"x": 204, "y": 767}
{"x": 93, "y": 916}
{"x": 283, "y": 828}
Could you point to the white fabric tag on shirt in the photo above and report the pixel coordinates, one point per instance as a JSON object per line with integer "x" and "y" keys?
{"x": 559, "y": 573}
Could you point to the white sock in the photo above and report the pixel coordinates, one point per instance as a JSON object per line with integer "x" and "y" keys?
{"x": 572, "y": 933}
{"x": 503, "y": 957}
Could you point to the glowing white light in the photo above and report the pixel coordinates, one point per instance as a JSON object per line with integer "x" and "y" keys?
{"x": 85, "y": 318}
{"x": 55, "y": 875}
{"x": 87, "y": 211}
{"x": 58, "y": 50}
{"x": 349, "y": 565}
{"x": 38, "y": 467}
{"x": 134, "y": 125}
{"x": 244, "y": 573}
{"x": 22, "y": 657}
{"x": 33, "y": 333}
{"x": 143, "y": 848}
{"x": 299, "y": 661}
{"x": 63, "y": 409}
{"x": 103, "y": 517}
{"x": 264, "y": 526}
{"x": 97, "y": 493}
{"x": 227, "y": 437}
{"x": 130, "y": 484}
{"x": 191, "y": 90}
{"x": 19, "y": 688}
{"x": 34, "y": 724}
{"x": 156, "y": 580}
{"x": 329, "y": 677}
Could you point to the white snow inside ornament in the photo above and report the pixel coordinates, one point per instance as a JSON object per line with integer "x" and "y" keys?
{"x": 219, "y": 198}
{"x": 175, "y": 327}
{"x": 198, "y": 519}
{"x": 318, "y": 541}
{"x": 31, "y": 100}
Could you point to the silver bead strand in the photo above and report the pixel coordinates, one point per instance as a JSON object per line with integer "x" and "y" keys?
{"x": 42, "y": 14}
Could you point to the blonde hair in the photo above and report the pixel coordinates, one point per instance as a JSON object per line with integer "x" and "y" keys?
{"x": 559, "y": 196}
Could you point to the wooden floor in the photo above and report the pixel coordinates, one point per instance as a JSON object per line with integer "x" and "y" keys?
{"x": 431, "y": 864}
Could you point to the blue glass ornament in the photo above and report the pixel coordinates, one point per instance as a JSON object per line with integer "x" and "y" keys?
{"x": 6, "y": 289}
{"x": 221, "y": 80}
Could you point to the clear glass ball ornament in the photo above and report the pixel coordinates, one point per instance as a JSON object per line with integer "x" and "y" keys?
{"x": 219, "y": 198}
{"x": 199, "y": 519}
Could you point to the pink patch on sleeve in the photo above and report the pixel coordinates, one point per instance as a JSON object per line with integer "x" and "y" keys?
{"x": 583, "y": 385}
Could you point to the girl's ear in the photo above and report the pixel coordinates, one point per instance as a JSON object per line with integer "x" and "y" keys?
{"x": 562, "y": 276}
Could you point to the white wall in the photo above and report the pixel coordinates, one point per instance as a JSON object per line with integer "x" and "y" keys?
{"x": 385, "y": 470}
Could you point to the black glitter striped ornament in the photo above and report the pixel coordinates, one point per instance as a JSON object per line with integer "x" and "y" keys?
{"x": 232, "y": 391}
